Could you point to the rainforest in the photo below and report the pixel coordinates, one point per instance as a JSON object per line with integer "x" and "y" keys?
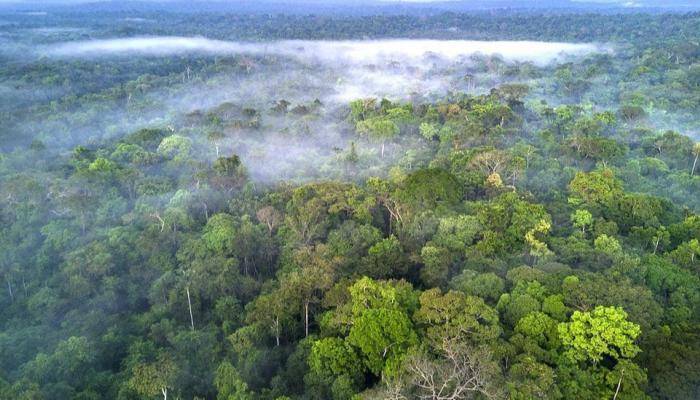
{"x": 349, "y": 201}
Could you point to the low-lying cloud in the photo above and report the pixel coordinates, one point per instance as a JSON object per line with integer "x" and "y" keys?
{"x": 289, "y": 146}
{"x": 363, "y": 52}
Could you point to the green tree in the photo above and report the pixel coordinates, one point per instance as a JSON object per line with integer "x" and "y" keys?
{"x": 597, "y": 188}
{"x": 383, "y": 337}
{"x": 154, "y": 378}
{"x": 229, "y": 384}
{"x": 530, "y": 379}
{"x": 582, "y": 219}
{"x": 335, "y": 357}
{"x": 488, "y": 286}
{"x": 604, "y": 331}
{"x": 456, "y": 316}
{"x": 379, "y": 129}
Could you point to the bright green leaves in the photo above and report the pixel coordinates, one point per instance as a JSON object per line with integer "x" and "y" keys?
{"x": 507, "y": 220}
{"x": 525, "y": 298}
{"x": 334, "y": 356}
{"x": 383, "y": 337}
{"x": 534, "y": 238}
{"x": 582, "y": 219}
{"x": 335, "y": 364}
{"x": 219, "y": 233}
{"x": 175, "y": 147}
{"x": 536, "y": 335}
{"x": 456, "y": 316}
{"x": 132, "y": 153}
{"x": 608, "y": 245}
{"x": 605, "y": 331}
{"x": 428, "y": 130}
{"x": 379, "y": 129}
{"x": 447, "y": 247}
{"x": 539, "y": 327}
{"x": 456, "y": 233}
{"x": 597, "y": 188}
{"x": 229, "y": 384}
{"x": 379, "y": 124}
{"x": 381, "y": 331}
{"x": 102, "y": 165}
{"x": 154, "y": 379}
{"x": 367, "y": 294}
{"x": 361, "y": 108}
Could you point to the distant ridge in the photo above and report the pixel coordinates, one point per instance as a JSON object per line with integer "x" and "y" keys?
{"x": 351, "y": 7}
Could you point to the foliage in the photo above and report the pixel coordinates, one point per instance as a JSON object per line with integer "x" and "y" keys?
{"x": 527, "y": 231}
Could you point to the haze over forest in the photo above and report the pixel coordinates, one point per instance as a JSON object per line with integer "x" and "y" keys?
{"x": 349, "y": 200}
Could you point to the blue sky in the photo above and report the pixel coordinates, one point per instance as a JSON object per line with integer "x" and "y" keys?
{"x": 653, "y": 3}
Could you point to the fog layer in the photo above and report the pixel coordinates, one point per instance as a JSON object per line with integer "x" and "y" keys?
{"x": 299, "y": 72}
{"x": 325, "y": 51}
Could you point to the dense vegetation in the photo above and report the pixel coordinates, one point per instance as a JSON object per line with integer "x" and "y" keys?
{"x": 531, "y": 233}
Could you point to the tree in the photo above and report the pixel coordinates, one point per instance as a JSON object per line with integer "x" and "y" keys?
{"x": 593, "y": 290}
{"x": 367, "y": 293}
{"x": 383, "y": 337}
{"x": 651, "y": 237}
{"x": 386, "y": 258}
{"x": 525, "y": 298}
{"x": 582, "y": 219}
{"x": 491, "y": 161}
{"x": 457, "y": 233}
{"x": 361, "y": 108}
{"x": 154, "y": 378}
{"x": 273, "y": 313}
{"x": 513, "y": 93}
{"x": 488, "y": 286}
{"x": 229, "y": 384}
{"x": 456, "y": 316}
{"x": 305, "y": 286}
{"x": 605, "y": 331}
{"x": 379, "y": 129}
{"x": 428, "y": 189}
{"x": 538, "y": 248}
{"x": 227, "y": 173}
{"x": 535, "y": 334}
{"x": 608, "y": 245}
{"x": 696, "y": 153}
{"x": 215, "y": 136}
{"x": 596, "y": 188}
{"x": 334, "y": 357}
{"x": 67, "y": 365}
{"x": 220, "y": 234}
{"x": 270, "y": 217}
{"x": 530, "y": 379}
{"x": 436, "y": 261}
{"x": 459, "y": 372}
{"x": 175, "y": 147}
{"x": 428, "y": 131}
{"x": 631, "y": 113}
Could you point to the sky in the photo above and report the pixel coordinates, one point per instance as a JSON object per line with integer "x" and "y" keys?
{"x": 526, "y": 3}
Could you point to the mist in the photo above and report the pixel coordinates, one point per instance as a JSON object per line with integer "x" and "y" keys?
{"x": 299, "y": 72}
{"x": 353, "y": 52}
